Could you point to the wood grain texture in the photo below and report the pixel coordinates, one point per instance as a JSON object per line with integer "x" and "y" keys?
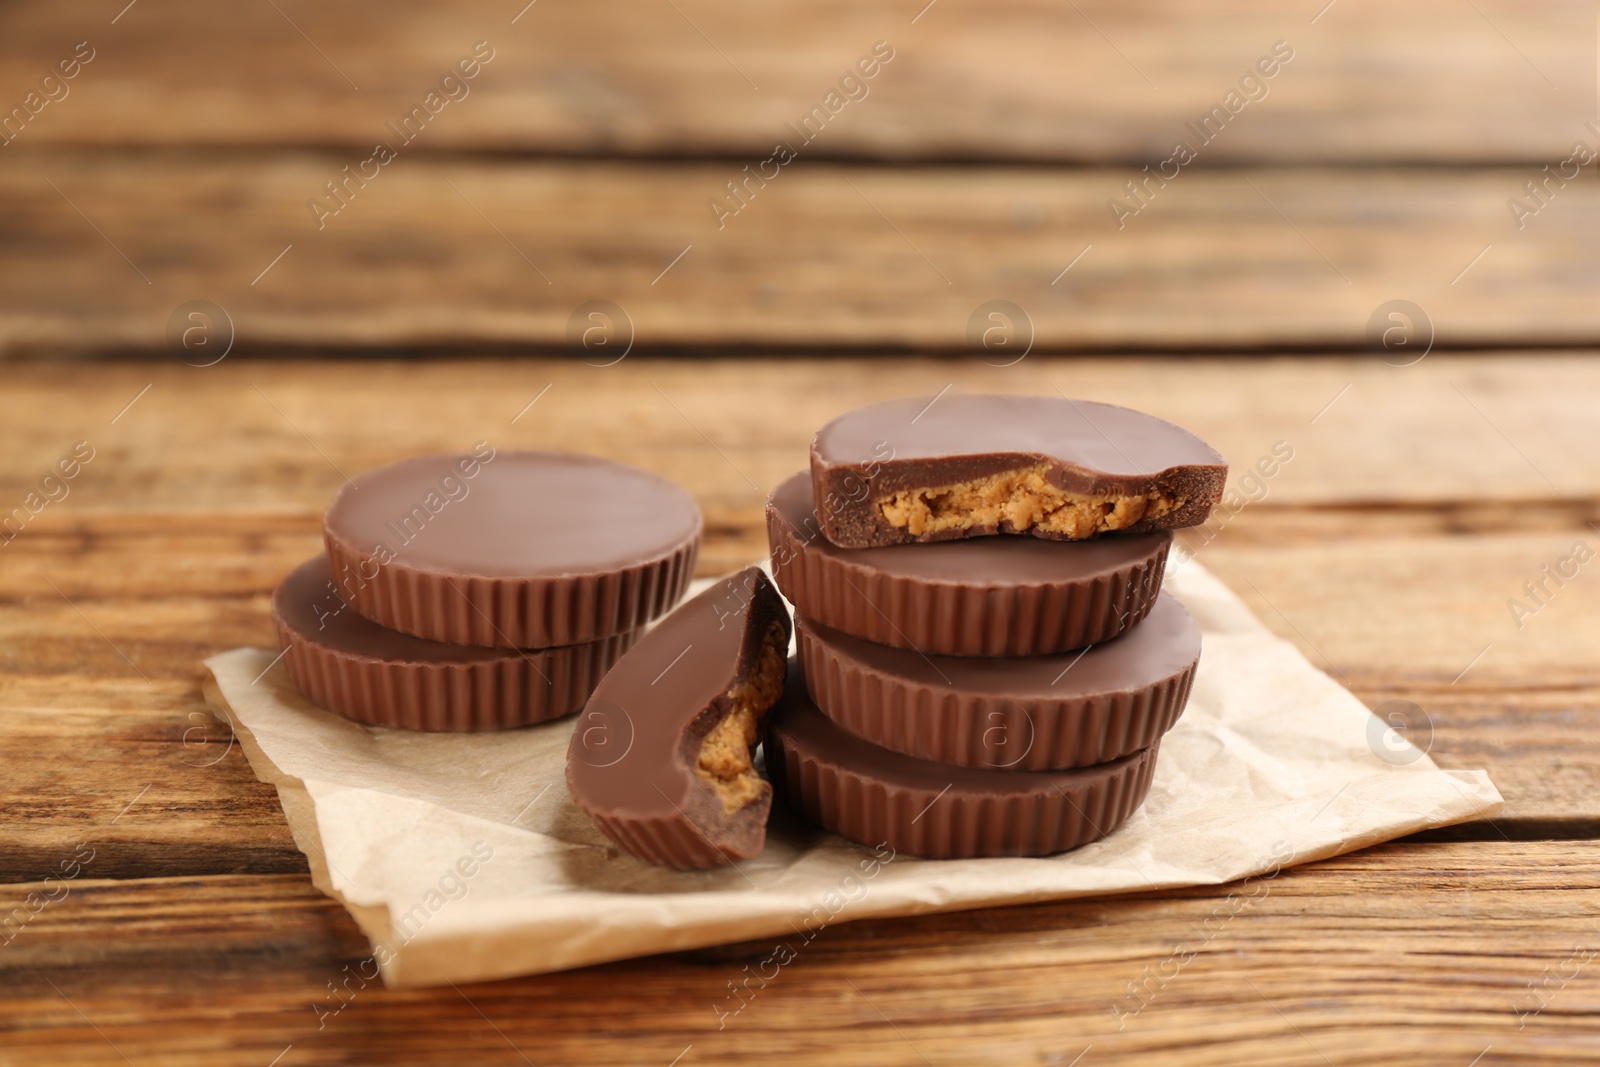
{"x": 208, "y": 490}
{"x": 584, "y": 166}
{"x": 98, "y": 250}
{"x": 194, "y": 937}
{"x": 87, "y": 735}
{"x": 1500, "y": 442}
{"x": 1369, "y": 82}
{"x": 1401, "y": 953}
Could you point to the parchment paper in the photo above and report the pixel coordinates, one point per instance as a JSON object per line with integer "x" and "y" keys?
{"x": 462, "y": 858}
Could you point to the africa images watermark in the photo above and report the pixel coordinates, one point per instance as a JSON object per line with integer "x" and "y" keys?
{"x": 1251, "y": 487}
{"x": 452, "y": 487}
{"x": 46, "y": 895}
{"x": 852, "y": 87}
{"x": 1144, "y": 990}
{"x": 53, "y": 488}
{"x": 52, "y": 89}
{"x": 452, "y": 886}
{"x": 852, "y": 889}
{"x": 341, "y": 190}
{"x": 1550, "y": 982}
{"x": 1252, "y": 88}
{"x": 1552, "y": 577}
{"x": 1540, "y": 190}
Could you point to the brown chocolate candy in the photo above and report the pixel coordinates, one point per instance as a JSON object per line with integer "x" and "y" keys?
{"x": 356, "y": 668}
{"x": 996, "y": 596}
{"x": 1071, "y": 709}
{"x": 972, "y": 465}
{"x": 874, "y": 796}
{"x": 661, "y": 756}
{"x": 512, "y": 549}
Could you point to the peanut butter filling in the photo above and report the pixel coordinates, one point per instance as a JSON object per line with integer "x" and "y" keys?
{"x": 1025, "y": 499}
{"x": 725, "y": 754}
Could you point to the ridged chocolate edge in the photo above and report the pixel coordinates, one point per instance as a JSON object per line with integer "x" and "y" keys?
{"x": 955, "y": 824}
{"x": 521, "y": 613}
{"x": 514, "y": 690}
{"x": 674, "y": 841}
{"x": 956, "y": 620}
{"x": 934, "y": 723}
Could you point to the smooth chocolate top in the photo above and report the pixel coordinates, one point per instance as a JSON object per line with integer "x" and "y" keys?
{"x": 636, "y": 742}
{"x": 308, "y": 602}
{"x": 514, "y": 514}
{"x": 1102, "y": 441}
{"x": 1165, "y": 644}
{"x": 984, "y": 562}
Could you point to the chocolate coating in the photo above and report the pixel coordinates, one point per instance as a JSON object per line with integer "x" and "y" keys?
{"x": 1024, "y": 713}
{"x": 996, "y": 596}
{"x": 631, "y": 764}
{"x": 356, "y": 668}
{"x": 872, "y": 795}
{"x": 867, "y": 455}
{"x": 512, "y": 549}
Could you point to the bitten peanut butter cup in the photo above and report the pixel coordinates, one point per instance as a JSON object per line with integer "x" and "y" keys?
{"x": 994, "y": 596}
{"x": 358, "y": 669}
{"x": 1071, "y": 709}
{"x": 661, "y": 758}
{"x": 511, "y": 549}
{"x": 871, "y": 795}
{"x": 973, "y": 465}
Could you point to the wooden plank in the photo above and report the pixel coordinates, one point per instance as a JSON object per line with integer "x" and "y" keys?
{"x": 156, "y": 784}
{"x": 1348, "y": 594}
{"x": 104, "y": 710}
{"x": 99, "y": 250}
{"x": 206, "y": 491}
{"x": 1422, "y": 626}
{"x": 1427, "y": 952}
{"x": 267, "y": 438}
{"x": 1428, "y": 81}
{"x": 1426, "y": 610}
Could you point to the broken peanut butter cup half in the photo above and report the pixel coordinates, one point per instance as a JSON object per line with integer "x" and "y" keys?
{"x": 662, "y": 756}
{"x": 974, "y": 465}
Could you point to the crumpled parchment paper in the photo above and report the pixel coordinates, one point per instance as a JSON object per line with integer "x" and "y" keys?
{"x": 463, "y": 859}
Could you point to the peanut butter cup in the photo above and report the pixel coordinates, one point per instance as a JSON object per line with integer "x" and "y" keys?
{"x": 511, "y": 549}
{"x": 1070, "y": 709}
{"x": 358, "y": 669}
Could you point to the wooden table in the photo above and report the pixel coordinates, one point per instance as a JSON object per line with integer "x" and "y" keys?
{"x": 158, "y": 909}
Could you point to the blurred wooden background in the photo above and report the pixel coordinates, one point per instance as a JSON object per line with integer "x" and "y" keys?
{"x": 978, "y": 163}
{"x": 1343, "y": 267}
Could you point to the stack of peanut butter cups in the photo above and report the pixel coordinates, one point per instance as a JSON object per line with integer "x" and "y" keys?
{"x": 987, "y": 662}
{"x": 482, "y": 591}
